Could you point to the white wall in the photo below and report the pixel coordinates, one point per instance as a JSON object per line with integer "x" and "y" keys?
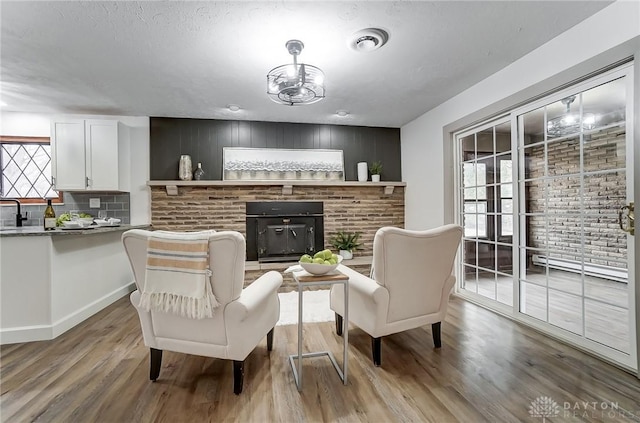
{"x": 38, "y": 125}
{"x": 25, "y": 124}
{"x": 611, "y": 34}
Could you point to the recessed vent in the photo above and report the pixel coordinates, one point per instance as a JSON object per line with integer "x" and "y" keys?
{"x": 368, "y": 39}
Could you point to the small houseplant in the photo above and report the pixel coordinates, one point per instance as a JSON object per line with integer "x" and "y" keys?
{"x": 346, "y": 243}
{"x": 376, "y": 170}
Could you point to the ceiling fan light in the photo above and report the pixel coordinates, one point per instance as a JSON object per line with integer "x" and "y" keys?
{"x": 294, "y": 84}
{"x": 589, "y": 120}
{"x": 570, "y": 123}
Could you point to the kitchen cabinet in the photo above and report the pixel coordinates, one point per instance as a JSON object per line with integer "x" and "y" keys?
{"x": 90, "y": 155}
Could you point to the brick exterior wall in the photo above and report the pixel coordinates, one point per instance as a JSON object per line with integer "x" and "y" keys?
{"x": 361, "y": 209}
{"x": 602, "y": 195}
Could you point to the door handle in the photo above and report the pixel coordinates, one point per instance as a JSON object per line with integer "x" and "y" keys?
{"x": 626, "y": 218}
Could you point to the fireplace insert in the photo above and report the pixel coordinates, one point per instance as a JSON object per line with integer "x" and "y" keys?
{"x": 284, "y": 230}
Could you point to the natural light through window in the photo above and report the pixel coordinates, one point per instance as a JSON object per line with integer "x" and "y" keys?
{"x": 506, "y": 198}
{"x": 26, "y": 170}
{"x": 475, "y": 196}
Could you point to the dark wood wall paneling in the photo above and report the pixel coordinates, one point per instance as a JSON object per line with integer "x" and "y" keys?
{"x": 204, "y": 140}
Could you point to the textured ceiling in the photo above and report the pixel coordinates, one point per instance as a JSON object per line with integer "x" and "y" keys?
{"x": 192, "y": 59}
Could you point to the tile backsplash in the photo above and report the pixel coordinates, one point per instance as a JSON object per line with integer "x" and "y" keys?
{"x": 115, "y": 203}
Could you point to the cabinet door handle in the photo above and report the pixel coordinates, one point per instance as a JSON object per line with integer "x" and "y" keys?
{"x": 53, "y": 182}
{"x": 88, "y": 182}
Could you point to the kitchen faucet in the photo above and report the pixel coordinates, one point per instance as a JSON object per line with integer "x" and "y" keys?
{"x": 19, "y": 217}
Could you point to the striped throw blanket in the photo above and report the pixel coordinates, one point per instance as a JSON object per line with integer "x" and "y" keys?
{"x": 177, "y": 276}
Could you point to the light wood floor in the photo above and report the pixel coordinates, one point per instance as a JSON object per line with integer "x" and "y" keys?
{"x": 489, "y": 369}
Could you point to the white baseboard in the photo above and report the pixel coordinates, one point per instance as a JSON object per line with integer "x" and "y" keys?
{"x": 47, "y": 332}
{"x": 597, "y": 270}
{"x": 25, "y": 334}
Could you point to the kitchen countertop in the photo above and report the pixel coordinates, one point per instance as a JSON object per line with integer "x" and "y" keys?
{"x": 38, "y": 231}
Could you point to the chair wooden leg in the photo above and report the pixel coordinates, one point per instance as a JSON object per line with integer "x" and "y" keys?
{"x": 238, "y": 376}
{"x": 435, "y": 329}
{"x": 156, "y": 361}
{"x": 270, "y": 339}
{"x": 376, "y": 349}
{"x": 339, "y": 324}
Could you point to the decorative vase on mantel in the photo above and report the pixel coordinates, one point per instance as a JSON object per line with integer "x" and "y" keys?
{"x": 346, "y": 254}
{"x": 362, "y": 172}
{"x": 185, "y": 170}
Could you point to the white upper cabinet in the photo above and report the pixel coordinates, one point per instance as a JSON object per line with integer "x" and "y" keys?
{"x": 90, "y": 155}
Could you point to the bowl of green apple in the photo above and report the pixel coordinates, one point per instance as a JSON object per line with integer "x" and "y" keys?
{"x": 321, "y": 263}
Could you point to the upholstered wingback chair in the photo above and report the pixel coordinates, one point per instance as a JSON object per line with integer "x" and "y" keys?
{"x": 242, "y": 319}
{"x": 409, "y": 287}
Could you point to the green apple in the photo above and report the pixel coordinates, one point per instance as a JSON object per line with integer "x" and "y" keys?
{"x": 332, "y": 261}
{"x": 306, "y": 259}
{"x": 326, "y": 262}
{"x": 319, "y": 254}
{"x": 318, "y": 260}
{"x": 327, "y": 254}
{"x": 335, "y": 257}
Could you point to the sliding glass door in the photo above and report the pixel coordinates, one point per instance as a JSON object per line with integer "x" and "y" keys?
{"x": 487, "y": 211}
{"x": 550, "y": 248}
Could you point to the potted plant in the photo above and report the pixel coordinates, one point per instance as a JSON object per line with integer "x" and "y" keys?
{"x": 346, "y": 243}
{"x": 376, "y": 170}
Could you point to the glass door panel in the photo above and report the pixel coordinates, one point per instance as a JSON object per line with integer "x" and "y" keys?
{"x": 573, "y": 271}
{"x": 553, "y": 196}
{"x": 533, "y": 300}
{"x": 487, "y": 212}
{"x": 606, "y": 324}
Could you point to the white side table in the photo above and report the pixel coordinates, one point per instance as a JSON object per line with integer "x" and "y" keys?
{"x": 304, "y": 279}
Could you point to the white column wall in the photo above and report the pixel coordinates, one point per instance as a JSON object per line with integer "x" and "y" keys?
{"x": 612, "y": 33}
{"x": 38, "y": 125}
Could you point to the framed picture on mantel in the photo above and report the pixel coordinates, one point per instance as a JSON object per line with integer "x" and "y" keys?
{"x": 268, "y": 164}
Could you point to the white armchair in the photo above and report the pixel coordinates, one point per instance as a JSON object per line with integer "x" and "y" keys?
{"x": 242, "y": 319}
{"x": 409, "y": 286}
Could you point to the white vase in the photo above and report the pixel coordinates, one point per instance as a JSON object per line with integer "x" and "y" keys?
{"x": 375, "y": 178}
{"x": 362, "y": 171}
{"x": 185, "y": 170}
{"x": 346, "y": 254}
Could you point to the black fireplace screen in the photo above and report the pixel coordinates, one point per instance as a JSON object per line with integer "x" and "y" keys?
{"x": 284, "y": 230}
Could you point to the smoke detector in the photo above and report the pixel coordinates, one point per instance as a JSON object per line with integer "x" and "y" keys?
{"x": 368, "y": 39}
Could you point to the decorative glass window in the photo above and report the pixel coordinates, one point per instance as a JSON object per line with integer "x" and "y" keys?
{"x": 475, "y": 200}
{"x": 26, "y": 169}
{"x": 506, "y": 198}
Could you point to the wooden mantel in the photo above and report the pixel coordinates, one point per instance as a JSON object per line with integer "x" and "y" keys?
{"x": 287, "y": 185}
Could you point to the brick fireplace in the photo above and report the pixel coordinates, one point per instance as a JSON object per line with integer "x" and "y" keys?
{"x": 353, "y": 207}
{"x": 279, "y": 231}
